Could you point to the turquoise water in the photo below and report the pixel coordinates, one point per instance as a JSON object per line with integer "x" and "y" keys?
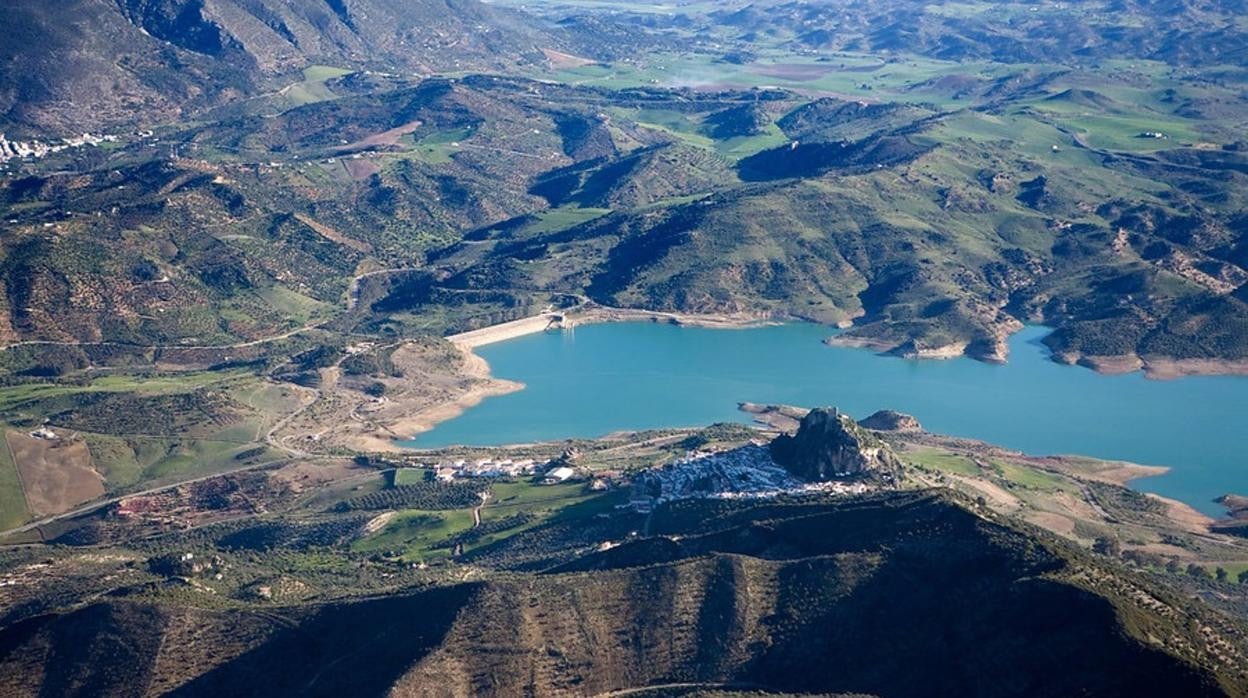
{"x": 608, "y": 377}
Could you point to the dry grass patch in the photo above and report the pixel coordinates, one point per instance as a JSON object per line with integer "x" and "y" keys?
{"x": 57, "y": 474}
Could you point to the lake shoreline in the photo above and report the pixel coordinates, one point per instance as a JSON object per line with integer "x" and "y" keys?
{"x": 1156, "y": 367}
{"x": 791, "y": 363}
{"x": 1153, "y": 367}
{"x": 559, "y": 321}
{"x": 475, "y": 367}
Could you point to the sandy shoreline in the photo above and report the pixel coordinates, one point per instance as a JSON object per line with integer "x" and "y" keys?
{"x": 473, "y": 367}
{"x": 949, "y": 351}
{"x": 477, "y": 368}
{"x": 1155, "y": 367}
{"x": 1167, "y": 369}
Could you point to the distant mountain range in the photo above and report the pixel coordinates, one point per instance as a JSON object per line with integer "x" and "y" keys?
{"x": 90, "y": 65}
{"x": 1179, "y": 32}
{"x": 936, "y": 210}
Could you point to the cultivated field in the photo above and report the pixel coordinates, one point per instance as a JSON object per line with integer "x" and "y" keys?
{"x": 56, "y": 474}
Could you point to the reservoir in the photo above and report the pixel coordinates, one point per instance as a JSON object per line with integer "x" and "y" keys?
{"x": 636, "y": 375}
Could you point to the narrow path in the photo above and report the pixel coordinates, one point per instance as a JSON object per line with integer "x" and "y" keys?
{"x": 271, "y": 436}
{"x": 476, "y": 511}
{"x": 17, "y": 470}
{"x": 1092, "y": 501}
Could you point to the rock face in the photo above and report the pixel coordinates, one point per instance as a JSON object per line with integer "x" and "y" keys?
{"x": 831, "y": 446}
{"x": 888, "y": 420}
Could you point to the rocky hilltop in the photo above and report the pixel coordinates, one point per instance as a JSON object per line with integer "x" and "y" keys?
{"x": 891, "y": 420}
{"x": 830, "y": 445}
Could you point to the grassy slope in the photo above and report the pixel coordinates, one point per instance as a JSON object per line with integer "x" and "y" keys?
{"x": 416, "y": 534}
{"x": 12, "y": 502}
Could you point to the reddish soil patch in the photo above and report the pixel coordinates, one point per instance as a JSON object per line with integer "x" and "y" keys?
{"x": 1185, "y": 516}
{"x": 559, "y": 59}
{"x": 384, "y": 138}
{"x": 57, "y": 474}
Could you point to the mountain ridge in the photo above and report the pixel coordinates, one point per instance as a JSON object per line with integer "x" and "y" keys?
{"x": 104, "y": 65}
{"x": 801, "y": 597}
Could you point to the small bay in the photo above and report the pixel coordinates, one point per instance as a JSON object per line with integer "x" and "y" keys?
{"x": 602, "y": 378}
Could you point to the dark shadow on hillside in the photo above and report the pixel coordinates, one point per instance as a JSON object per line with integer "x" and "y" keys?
{"x": 355, "y": 649}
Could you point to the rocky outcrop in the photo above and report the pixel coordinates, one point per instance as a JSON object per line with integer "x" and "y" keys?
{"x": 831, "y": 446}
{"x": 1236, "y": 523}
{"x": 889, "y": 420}
{"x": 1236, "y": 505}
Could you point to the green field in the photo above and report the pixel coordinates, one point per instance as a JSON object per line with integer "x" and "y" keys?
{"x": 1032, "y": 478}
{"x": 321, "y": 73}
{"x": 12, "y": 502}
{"x": 269, "y": 398}
{"x": 941, "y": 460}
{"x": 12, "y": 397}
{"x": 515, "y": 497}
{"x": 542, "y": 503}
{"x": 562, "y": 218}
{"x": 298, "y": 307}
{"x": 126, "y": 462}
{"x": 407, "y": 476}
{"x": 313, "y": 88}
{"x": 435, "y": 148}
{"x": 1233, "y": 570}
{"x": 413, "y": 532}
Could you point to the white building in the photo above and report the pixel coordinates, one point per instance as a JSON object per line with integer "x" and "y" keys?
{"x": 560, "y": 474}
